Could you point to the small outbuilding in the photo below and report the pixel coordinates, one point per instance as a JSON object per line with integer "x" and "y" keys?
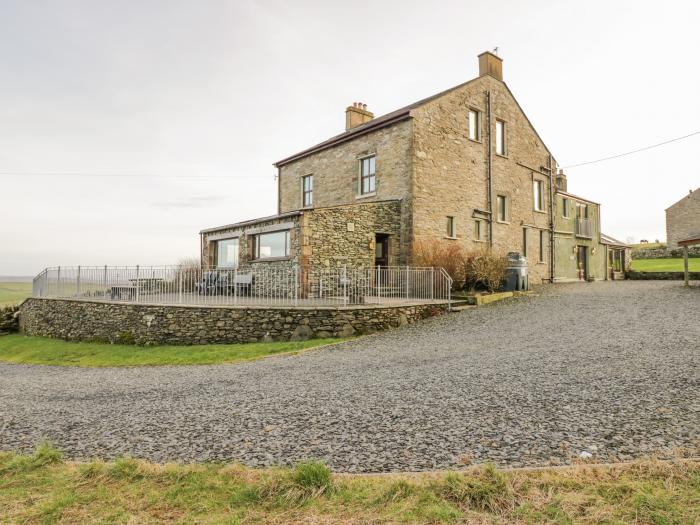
{"x": 618, "y": 256}
{"x": 693, "y": 240}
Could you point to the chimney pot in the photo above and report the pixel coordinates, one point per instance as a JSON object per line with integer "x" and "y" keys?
{"x": 356, "y": 115}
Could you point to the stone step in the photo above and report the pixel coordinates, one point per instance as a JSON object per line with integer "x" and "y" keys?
{"x": 463, "y": 307}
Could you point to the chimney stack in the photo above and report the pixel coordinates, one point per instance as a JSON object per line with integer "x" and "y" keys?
{"x": 561, "y": 181}
{"x": 357, "y": 115}
{"x": 490, "y": 64}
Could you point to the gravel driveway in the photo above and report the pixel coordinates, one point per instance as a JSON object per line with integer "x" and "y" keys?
{"x": 611, "y": 368}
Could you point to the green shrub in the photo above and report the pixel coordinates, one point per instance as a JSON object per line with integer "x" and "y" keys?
{"x": 484, "y": 490}
{"x": 126, "y": 468}
{"x": 45, "y": 454}
{"x": 312, "y": 476}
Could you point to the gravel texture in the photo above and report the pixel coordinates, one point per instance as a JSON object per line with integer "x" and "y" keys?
{"x": 610, "y": 368}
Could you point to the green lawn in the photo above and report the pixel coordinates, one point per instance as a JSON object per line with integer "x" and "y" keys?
{"x": 13, "y": 293}
{"x": 43, "y": 488}
{"x": 43, "y": 351}
{"x": 665, "y": 265}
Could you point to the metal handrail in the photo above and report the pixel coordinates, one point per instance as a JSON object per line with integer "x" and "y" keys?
{"x": 259, "y": 285}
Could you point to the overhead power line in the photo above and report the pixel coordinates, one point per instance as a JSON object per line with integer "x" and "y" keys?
{"x": 633, "y": 151}
{"x": 123, "y": 175}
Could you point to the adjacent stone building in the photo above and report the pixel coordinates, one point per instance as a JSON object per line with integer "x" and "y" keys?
{"x": 464, "y": 166}
{"x": 683, "y": 219}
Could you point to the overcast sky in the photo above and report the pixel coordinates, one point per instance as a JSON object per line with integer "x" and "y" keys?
{"x": 128, "y": 126}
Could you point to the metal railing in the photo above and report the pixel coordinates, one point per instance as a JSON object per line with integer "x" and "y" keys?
{"x": 584, "y": 227}
{"x": 256, "y": 286}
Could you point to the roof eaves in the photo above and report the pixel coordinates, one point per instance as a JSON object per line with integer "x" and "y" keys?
{"x": 576, "y": 197}
{"x": 252, "y": 221}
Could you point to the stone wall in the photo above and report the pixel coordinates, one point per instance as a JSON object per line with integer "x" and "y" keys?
{"x": 336, "y": 174}
{"x": 683, "y": 219}
{"x": 663, "y": 253}
{"x": 9, "y": 319}
{"x": 157, "y": 324}
{"x": 345, "y": 234}
{"x": 450, "y": 172}
{"x": 661, "y": 276}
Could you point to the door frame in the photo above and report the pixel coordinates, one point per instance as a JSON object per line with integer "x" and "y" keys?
{"x": 383, "y": 240}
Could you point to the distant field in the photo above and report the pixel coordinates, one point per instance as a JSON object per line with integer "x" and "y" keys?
{"x": 665, "y": 265}
{"x": 12, "y": 293}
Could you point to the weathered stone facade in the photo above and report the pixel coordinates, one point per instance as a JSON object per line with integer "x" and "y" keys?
{"x": 346, "y": 234}
{"x": 79, "y": 320}
{"x": 431, "y": 160}
{"x": 337, "y": 177}
{"x": 319, "y": 237}
{"x": 9, "y": 319}
{"x": 683, "y": 219}
{"x": 451, "y": 172}
{"x": 567, "y": 241}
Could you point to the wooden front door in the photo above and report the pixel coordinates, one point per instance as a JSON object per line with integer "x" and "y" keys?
{"x": 582, "y": 262}
{"x": 381, "y": 250}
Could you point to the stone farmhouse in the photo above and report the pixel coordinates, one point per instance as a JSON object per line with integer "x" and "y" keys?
{"x": 683, "y": 219}
{"x": 463, "y": 166}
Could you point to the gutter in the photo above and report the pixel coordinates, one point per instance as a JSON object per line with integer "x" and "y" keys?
{"x": 551, "y": 218}
{"x": 489, "y": 171}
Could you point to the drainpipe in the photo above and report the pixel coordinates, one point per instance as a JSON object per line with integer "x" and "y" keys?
{"x": 279, "y": 195}
{"x": 551, "y": 217}
{"x": 488, "y": 169}
{"x": 201, "y": 250}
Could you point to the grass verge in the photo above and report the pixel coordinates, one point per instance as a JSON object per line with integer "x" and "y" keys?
{"x": 21, "y": 349}
{"x": 42, "y": 488}
{"x": 665, "y": 265}
{"x": 13, "y": 293}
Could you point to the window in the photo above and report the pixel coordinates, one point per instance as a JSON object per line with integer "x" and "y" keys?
{"x": 581, "y": 210}
{"x": 270, "y": 245}
{"x": 524, "y": 242}
{"x": 474, "y": 125}
{"x": 227, "y": 253}
{"x": 451, "y": 230}
{"x": 368, "y": 177}
{"x": 501, "y": 208}
{"x": 541, "y": 259}
{"x": 500, "y": 137}
{"x": 565, "y": 208}
{"x": 538, "y": 193}
{"x": 307, "y": 190}
{"x": 478, "y": 233}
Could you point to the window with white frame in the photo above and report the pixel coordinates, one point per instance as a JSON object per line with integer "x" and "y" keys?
{"x": 368, "y": 175}
{"x": 227, "y": 251}
{"x": 271, "y": 245}
{"x": 501, "y": 208}
{"x": 307, "y": 191}
{"x": 474, "y": 125}
{"x": 478, "y": 230}
{"x": 451, "y": 228}
{"x": 500, "y": 137}
{"x": 538, "y": 194}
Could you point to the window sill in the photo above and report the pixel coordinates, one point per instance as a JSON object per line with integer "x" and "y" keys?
{"x": 366, "y": 195}
{"x": 501, "y": 155}
{"x": 502, "y": 222}
{"x": 451, "y": 238}
{"x": 270, "y": 259}
{"x": 476, "y": 141}
{"x": 480, "y": 240}
{"x": 540, "y": 211}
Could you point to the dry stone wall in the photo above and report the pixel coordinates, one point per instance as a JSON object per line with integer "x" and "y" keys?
{"x": 9, "y": 319}
{"x": 157, "y": 324}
